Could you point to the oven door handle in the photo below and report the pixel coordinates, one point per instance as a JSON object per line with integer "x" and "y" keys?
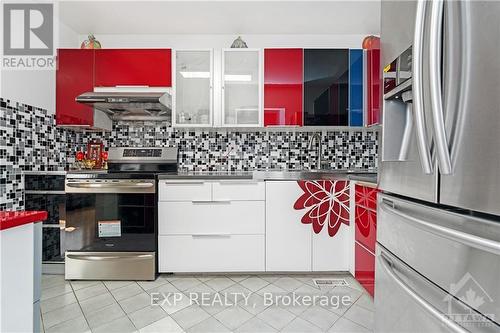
{"x": 110, "y": 257}
{"x": 109, "y": 185}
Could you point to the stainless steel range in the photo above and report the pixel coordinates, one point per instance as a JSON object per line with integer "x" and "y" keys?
{"x": 111, "y": 217}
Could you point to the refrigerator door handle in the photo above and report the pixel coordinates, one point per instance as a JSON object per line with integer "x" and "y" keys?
{"x": 418, "y": 102}
{"x": 481, "y": 243}
{"x": 435, "y": 37}
{"x": 387, "y": 265}
{"x": 456, "y": 68}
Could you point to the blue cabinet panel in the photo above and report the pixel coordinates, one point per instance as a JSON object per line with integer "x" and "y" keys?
{"x": 355, "y": 87}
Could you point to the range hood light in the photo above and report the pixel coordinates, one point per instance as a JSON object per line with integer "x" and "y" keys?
{"x": 195, "y": 75}
{"x": 238, "y": 77}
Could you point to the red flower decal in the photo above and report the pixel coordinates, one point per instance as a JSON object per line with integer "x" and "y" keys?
{"x": 327, "y": 201}
{"x": 366, "y": 196}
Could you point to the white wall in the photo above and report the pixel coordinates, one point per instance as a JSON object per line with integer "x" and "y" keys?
{"x": 36, "y": 87}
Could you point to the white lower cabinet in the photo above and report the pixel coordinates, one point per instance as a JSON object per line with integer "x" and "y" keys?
{"x": 228, "y": 217}
{"x": 288, "y": 241}
{"x": 211, "y": 226}
{"x": 211, "y": 253}
{"x": 331, "y": 254}
{"x": 293, "y": 246}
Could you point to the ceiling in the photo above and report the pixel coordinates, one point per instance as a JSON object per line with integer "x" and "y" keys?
{"x": 222, "y": 17}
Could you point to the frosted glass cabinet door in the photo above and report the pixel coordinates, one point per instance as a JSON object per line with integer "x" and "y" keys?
{"x": 241, "y": 88}
{"x": 193, "y": 88}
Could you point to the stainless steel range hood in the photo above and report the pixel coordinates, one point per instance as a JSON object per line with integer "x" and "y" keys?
{"x": 131, "y": 105}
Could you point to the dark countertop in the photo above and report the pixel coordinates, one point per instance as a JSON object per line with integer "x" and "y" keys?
{"x": 366, "y": 176}
{"x": 207, "y": 175}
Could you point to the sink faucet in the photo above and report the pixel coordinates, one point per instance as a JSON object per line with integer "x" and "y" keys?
{"x": 316, "y": 137}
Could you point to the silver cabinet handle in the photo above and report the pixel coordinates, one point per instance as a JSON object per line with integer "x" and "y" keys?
{"x": 211, "y": 235}
{"x": 200, "y": 202}
{"x": 175, "y": 182}
{"x": 418, "y": 102}
{"x": 452, "y": 234}
{"x": 387, "y": 264}
{"x": 436, "y": 97}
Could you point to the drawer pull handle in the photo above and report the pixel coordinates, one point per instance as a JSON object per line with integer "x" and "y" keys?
{"x": 201, "y": 202}
{"x": 211, "y": 235}
{"x": 238, "y": 182}
{"x": 183, "y": 183}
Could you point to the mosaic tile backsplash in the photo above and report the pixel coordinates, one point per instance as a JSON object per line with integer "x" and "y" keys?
{"x": 31, "y": 142}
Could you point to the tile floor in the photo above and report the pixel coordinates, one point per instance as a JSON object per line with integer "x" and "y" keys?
{"x": 127, "y": 306}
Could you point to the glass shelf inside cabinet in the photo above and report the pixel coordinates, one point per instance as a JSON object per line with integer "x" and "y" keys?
{"x": 241, "y": 79}
{"x": 193, "y": 88}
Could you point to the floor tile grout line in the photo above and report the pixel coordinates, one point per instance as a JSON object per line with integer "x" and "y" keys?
{"x": 126, "y": 314}
{"x": 79, "y": 305}
{"x": 69, "y": 292}
{"x": 238, "y": 304}
{"x": 343, "y": 315}
{"x": 355, "y": 322}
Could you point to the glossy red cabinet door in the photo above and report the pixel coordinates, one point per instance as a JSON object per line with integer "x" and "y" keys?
{"x": 366, "y": 196}
{"x": 374, "y": 92}
{"x": 283, "y": 81}
{"x": 74, "y": 76}
{"x": 366, "y": 227}
{"x": 133, "y": 67}
{"x": 365, "y": 268}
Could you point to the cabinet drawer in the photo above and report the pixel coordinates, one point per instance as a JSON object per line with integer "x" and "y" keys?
{"x": 230, "y": 217}
{"x": 239, "y": 190}
{"x": 366, "y": 227}
{"x": 185, "y": 190}
{"x": 365, "y": 268}
{"x": 211, "y": 253}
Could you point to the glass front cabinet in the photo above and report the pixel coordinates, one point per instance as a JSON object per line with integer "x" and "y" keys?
{"x": 271, "y": 87}
{"x": 241, "y": 88}
{"x": 326, "y": 87}
{"x": 192, "y": 96}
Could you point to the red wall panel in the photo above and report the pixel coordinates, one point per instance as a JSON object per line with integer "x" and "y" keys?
{"x": 365, "y": 268}
{"x": 366, "y": 227}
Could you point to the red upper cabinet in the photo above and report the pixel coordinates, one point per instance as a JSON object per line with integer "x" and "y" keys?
{"x": 74, "y": 76}
{"x": 374, "y": 93}
{"x": 283, "y": 83}
{"x": 133, "y": 67}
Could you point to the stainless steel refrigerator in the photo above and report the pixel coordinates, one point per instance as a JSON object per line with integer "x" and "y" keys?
{"x": 438, "y": 225}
